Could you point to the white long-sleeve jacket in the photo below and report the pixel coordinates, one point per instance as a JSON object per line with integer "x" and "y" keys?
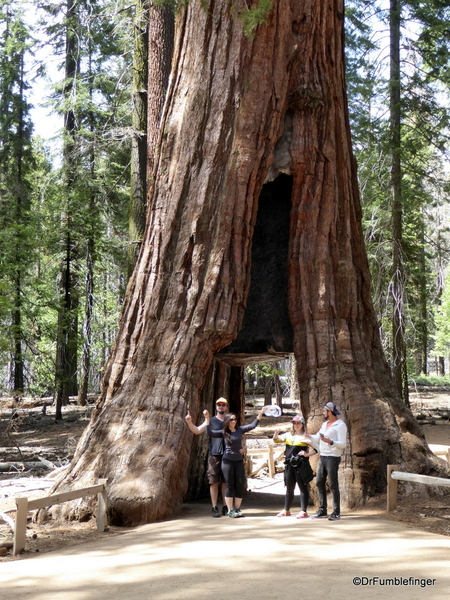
{"x": 337, "y": 432}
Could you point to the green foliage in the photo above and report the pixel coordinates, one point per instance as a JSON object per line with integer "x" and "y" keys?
{"x": 442, "y": 321}
{"x": 251, "y": 17}
{"x": 37, "y": 212}
{"x": 175, "y": 5}
{"x": 430, "y": 380}
{"x": 264, "y": 369}
{"x": 254, "y": 16}
{"x": 424, "y": 143}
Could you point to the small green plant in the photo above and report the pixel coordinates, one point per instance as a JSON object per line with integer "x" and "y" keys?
{"x": 250, "y": 17}
{"x": 254, "y": 16}
{"x": 431, "y": 380}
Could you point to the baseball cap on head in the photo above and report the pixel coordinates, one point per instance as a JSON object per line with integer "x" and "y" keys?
{"x": 332, "y": 406}
{"x": 222, "y": 401}
{"x": 298, "y": 419}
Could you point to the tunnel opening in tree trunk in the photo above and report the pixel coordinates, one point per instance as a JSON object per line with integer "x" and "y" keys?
{"x": 266, "y": 331}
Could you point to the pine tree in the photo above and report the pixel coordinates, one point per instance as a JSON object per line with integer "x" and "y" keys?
{"x": 406, "y": 150}
{"x": 16, "y": 160}
{"x": 92, "y": 102}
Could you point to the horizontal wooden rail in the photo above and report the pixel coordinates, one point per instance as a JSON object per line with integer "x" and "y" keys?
{"x": 24, "y": 505}
{"x": 414, "y": 477}
{"x": 271, "y": 459}
{"x": 393, "y": 476}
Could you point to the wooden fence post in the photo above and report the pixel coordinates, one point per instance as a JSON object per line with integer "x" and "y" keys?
{"x": 392, "y": 486}
{"x": 101, "y": 506}
{"x": 270, "y": 462}
{"x": 20, "y": 529}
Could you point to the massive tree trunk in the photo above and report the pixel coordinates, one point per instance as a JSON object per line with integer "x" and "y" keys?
{"x": 239, "y": 112}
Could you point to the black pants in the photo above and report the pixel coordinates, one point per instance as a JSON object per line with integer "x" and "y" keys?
{"x": 234, "y": 475}
{"x": 291, "y": 478}
{"x": 328, "y": 467}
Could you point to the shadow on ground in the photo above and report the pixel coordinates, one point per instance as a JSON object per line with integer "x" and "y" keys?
{"x": 260, "y": 556}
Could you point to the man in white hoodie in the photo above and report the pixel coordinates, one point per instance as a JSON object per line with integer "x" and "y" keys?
{"x": 332, "y": 438}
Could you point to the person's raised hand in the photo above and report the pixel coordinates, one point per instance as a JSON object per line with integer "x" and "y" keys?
{"x": 188, "y": 416}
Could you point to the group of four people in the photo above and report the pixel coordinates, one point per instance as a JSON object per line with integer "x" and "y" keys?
{"x": 226, "y": 459}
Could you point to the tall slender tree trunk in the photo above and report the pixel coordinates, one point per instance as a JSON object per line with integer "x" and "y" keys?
{"x": 90, "y": 255}
{"x": 440, "y": 360}
{"x": 67, "y": 343}
{"x": 239, "y": 112}
{"x": 423, "y": 305}
{"x": 87, "y": 326}
{"x": 160, "y": 50}
{"x": 278, "y": 391}
{"x": 154, "y": 29}
{"x": 398, "y": 272}
{"x": 18, "y": 360}
{"x": 138, "y": 181}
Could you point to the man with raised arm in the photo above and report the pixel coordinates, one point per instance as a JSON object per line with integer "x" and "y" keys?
{"x": 216, "y": 449}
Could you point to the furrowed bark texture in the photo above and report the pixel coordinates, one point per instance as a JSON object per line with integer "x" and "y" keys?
{"x": 239, "y": 111}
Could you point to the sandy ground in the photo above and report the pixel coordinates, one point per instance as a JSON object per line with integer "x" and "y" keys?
{"x": 40, "y": 435}
{"x": 260, "y": 556}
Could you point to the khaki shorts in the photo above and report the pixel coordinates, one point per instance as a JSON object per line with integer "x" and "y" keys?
{"x": 214, "y": 471}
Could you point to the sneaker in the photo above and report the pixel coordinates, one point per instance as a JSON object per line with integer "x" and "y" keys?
{"x": 225, "y": 510}
{"x": 302, "y": 515}
{"x": 334, "y": 516}
{"x": 238, "y": 512}
{"x": 215, "y": 512}
{"x": 284, "y": 513}
{"x": 319, "y": 514}
{"x": 232, "y": 513}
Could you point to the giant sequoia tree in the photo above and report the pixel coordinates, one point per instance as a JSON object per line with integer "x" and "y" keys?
{"x": 254, "y": 135}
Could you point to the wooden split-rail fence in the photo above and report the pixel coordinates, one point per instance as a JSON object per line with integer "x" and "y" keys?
{"x": 24, "y": 506}
{"x": 270, "y": 457}
{"x": 394, "y": 475}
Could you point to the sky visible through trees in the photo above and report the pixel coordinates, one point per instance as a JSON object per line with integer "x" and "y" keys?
{"x": 91, "y": 195}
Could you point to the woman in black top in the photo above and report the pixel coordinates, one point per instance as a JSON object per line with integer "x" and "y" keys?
{"x": 232, "y": 460}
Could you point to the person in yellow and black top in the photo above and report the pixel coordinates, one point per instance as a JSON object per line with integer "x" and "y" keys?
{"x": 299, "y": 447}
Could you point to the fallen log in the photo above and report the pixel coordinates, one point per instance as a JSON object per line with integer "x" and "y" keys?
{"x": 47, "y": 463}
{"x": 57, "y": 472}
{"x": 7, "y": 545}
{"x": 21, "y": 466}
{"x": 7, "y": 520}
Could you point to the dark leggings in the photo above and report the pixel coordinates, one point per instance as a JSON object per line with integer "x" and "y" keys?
{"x": 234, "y": 475}
{"x": 292, "y": 477}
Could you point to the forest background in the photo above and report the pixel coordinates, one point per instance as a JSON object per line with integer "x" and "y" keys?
{"x": 72, "y": 209}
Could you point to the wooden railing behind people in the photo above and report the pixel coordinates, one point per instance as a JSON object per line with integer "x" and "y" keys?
{"x": 24, "y": 506}
{"x": 270, "y": 456}
{"x": 393, "y": 475}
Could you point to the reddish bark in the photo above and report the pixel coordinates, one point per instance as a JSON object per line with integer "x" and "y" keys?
{"x": 240, "y": 111}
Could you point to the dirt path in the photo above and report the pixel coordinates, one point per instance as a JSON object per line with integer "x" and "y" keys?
{"x": 39, "y": 435}
{"x": 260, "y": 556}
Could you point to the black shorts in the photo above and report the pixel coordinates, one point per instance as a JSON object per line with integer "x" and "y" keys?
{"x": 214, "y": 471}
